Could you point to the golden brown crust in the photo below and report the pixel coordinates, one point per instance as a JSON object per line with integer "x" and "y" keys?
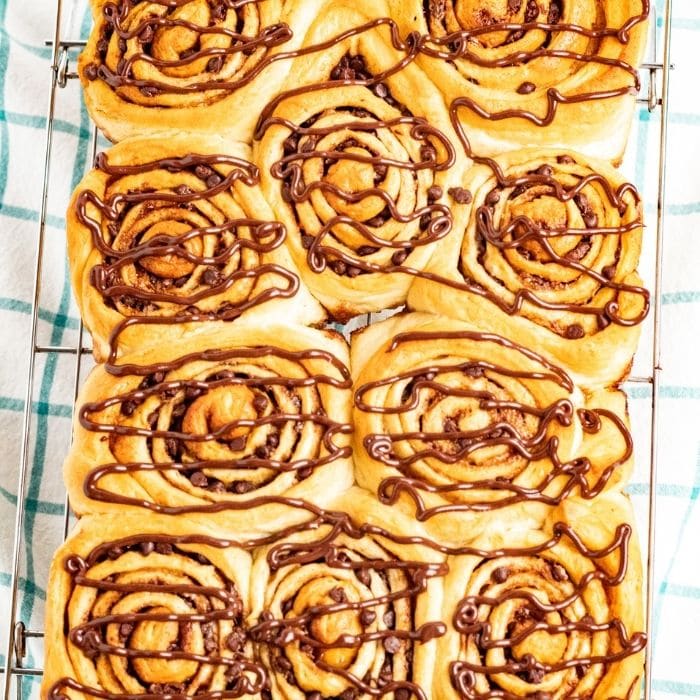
{"x": 154, "y": 565}
{"x": 511, "y": 264}
{"x": 356, "y": 231}
{"x": 241, "y": 267}
{"x": 502, "y": 597}
{"x": 276, "y": 398}
{"x": 128, "y": 111}
{"x": 545, "y": 73}
{"x": 463, "y": 430}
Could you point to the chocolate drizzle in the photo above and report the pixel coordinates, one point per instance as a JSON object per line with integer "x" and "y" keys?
{"x": 457, "y": 47}
{"x": 227, "y": 429}
{"x": 507, "y": 427}
{"x": 140, "y": 276}
{"x": 371, "y": 232}
{"x": 562, "y": 614}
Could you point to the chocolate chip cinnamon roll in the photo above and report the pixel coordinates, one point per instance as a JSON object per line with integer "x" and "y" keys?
{"x": 551, "y": 613}
{"x": 146, "y": 607}
{"x": 356, "y": 157}
{"x": 193, "y": 65}
{"x": 548, "y": 258}
{"x": 229, "y": 428}
{"x": 545, "y": 72}
{"x": 463, "y": 429}
{"x": 166, "y": 234}
{"x": 334, "y": 607}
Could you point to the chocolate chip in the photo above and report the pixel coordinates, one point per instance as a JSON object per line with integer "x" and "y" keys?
{"x": 500, "y": 575}
{"x": 535, "y": 675}
{"x": 172, "y": 447}
{"x": 434, "y": 192}
{"x": 211, "y": 276}
{"x": 183, "y": 189}
{"x": 558, "y": 572}
{"x": 515, "y": 5}
{"x": 363, "y": 576}
{"x": 554, "y": 13}
{"x": 574, "y": 332}
{"x": 450, "y": 426}
{"x": 149, "y": 90}
{"x": 314, "y": 696}
{"x": 353, "y": 271}
{"x": 128, "y": 407}
{"x": 365, "y": 250}
{"x": 273, "y": 440}
{"x": 401, "y": 694}
{"x": 146, "y": 548}
{"x": 590, "y": 219}
{"x": 199, "y": 479}
{"x": 306, "y": 472}
{"x": 348, "y": 694}
{"x": 260, "y": 403}
{"x": 493, "y": 197}
{"x": 532, "y": 10}
{"x": 399, "y": 257}
{"x": 565, "y": 160}
{"x": 164, "y": 548}
{"x": 389, "y": 618}
{"x": 381, "y": 90}
{"x": 237, "y": 444}
{"x": 102, "y": 46}
{"x": 235, "y": 640}
{"x": 213, "y": 181}
{"x": 367, "y": 617}
{"x": 545, "y": 170}
{"x": 609, "y": 271}
{"x": 146, "y": 35}
{"x": 125, "y": 629}
{"x": 203, "y": 171}
{"x": 307, "y": 241}
{"x": 391, "y": 644}
{"x": 241, "y": 487}
{"x": 262, "y": 452}
{"x": 338, "y": 594}
{"x": 339, "y": 267}
{"x": 91, "y": 71}
{"x": 215, "y": 64}
{"x": 526, "y": 88}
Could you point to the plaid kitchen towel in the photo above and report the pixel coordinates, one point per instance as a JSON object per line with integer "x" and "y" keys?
{"x": 24, "y": 81}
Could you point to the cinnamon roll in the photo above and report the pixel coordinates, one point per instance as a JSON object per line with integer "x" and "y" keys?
{"x": 146, "y": 607}
{"x": 464, "y": 429}
{"x": 548, "y": 259}
{"x": 550, "y": 613}
{"x": 201, "y": 66}
{"x": 357, "y": 155}
{"x": 334, "y": 606}
{"x": 167, "y": 233}
{"x": 545, "y": 72}
{"x": 229, "y": 428}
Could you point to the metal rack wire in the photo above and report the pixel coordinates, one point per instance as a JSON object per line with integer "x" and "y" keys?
{"x": 62, "y": 53}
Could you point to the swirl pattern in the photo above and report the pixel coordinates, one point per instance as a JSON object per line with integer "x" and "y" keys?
{"x": 357, "y": 166}
{"x": 216, "y": 431}
{"x": 333, "y": 612}
{"x": 162, "y": 236}
{"x": 549, "y": 255}
{"x": 535, "y": 71}
{"x": 546, "y": 614}
{"x": 149, "y": 64}
{"x": 149, "y": 614}
{"x": 464, "y": 428}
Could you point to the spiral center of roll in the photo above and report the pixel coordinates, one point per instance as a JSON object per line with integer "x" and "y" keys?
{"x": 327, "y": 628}
{"x": 219, "y": 407}
{"x": 169, "y": 266}
{"x": 547, "y": 213}
{"x": 169, "y": 43}
{"x": 153, "y": 635}
{"x": 354, "y": 177}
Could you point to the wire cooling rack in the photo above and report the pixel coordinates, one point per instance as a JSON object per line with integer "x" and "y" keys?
{"x": 655, "y": 74}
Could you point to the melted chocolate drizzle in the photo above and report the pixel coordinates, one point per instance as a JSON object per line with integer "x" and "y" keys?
{"x": 230, "y": 369}
{"x": 265, "y": 236}
{"x": 542, "y": 444}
